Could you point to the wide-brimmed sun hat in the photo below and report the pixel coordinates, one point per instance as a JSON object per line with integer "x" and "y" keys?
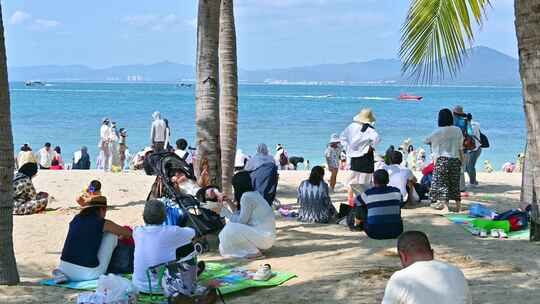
{"x": 365, "y": 116}
{"x": 99, "y": 201}
{"x": 334, "y": 139}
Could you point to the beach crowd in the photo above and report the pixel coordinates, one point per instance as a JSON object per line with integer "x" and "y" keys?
{"x": 379, "y": 185}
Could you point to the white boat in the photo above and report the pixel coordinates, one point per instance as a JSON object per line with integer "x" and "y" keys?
{"x": 30, "y": 83}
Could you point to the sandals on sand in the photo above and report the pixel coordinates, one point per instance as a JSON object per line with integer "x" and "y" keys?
{"x": 264, "y": 273}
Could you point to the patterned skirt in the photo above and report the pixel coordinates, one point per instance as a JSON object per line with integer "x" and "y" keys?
{"x": 446, "y": 175}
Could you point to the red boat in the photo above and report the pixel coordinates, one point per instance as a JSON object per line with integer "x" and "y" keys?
{"x": 404, "y": 96}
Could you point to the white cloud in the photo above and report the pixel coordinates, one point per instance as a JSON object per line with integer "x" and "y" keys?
{"x": 156, "y": 22}
{"x": 19, "y": 17}
{"x": 46, "y": 24}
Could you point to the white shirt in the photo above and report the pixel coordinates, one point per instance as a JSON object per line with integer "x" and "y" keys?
{"x": 357, "y": 143}
{"x": 399, "y": 177}
{"x": 182, "y": 154}
{"x": 255, "y": 212}
{"x": 446, "y": 142}
{"x": 278, "y": 156}
{"x": 159, "y": 131}
{"x": 240, "y": 159}
{"x": 45, "y": 157}
{"x": 156, "y": 245}
{"x": 105, "y": 133}
{"x": 427, "y": 283}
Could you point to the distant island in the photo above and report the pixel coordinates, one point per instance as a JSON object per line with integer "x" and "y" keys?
{"x": 483, "y": 66}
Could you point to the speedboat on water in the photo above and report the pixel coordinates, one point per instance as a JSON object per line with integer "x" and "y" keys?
{"x": 405, "y": 96}
{"x": 31, "y": 83}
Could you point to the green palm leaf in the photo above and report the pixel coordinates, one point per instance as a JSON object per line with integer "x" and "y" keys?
{"x": 436, "y": 35}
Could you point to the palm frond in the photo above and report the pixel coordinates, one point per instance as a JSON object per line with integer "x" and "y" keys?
{"x": 436, "y": 35}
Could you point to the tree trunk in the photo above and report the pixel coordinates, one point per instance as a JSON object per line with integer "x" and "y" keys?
{"x": 228, "y": 93}
{"x": 528, "y": 36}
{"x": 207, "y": 99}
{"x": 8, "y": 267}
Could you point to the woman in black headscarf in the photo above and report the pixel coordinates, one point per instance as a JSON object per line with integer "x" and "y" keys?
{"x": 25, "y": 198}
{"x": 251, "y": 225}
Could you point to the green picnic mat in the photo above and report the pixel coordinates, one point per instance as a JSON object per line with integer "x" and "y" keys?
{"x": 227, "y": 278}
{"x": 463, "y": 220}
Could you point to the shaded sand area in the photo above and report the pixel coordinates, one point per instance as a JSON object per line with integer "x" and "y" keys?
{"x": 333, "y": 265}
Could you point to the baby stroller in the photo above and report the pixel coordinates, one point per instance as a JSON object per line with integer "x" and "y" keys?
{"x": 204, "y": 221}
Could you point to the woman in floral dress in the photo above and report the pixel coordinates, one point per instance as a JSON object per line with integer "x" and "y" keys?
{"x": 25, "y": 198}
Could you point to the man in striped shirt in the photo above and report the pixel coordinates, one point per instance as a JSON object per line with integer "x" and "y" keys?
{"x": 379, "y": 208}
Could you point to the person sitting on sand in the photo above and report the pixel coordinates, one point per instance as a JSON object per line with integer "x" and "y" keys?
{"x": 447, "y": 147}
{"x": 81, "y": 159}
{"x": 314, "y": 199}
{"x": 25, "y": 156}
{"x": 90, "y": 242}
{"x": 401, "y": 177}
{"x": 157, "y": 244}
{"x": 262, "y": 157}
{"x": 26, "y": 200}
{"x": 182, "y": 151}
{"x": 93, "y": 190}
{"x": 379, "y": 209}
{"x": 424, "y": 280}
{"x": 251, "y": 225}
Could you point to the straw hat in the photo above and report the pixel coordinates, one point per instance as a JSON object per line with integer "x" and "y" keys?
{"x": 96, "y": 201}
{"x": 334, "y": 139}
{"x": 365, "y": 116}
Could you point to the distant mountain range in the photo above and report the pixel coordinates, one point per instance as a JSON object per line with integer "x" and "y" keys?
{"x": 483, "y": 66}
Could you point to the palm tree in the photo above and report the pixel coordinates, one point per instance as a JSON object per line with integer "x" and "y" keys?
{"x": 8, "y": 267}
{"x": 435, "y": 38}
{"x": 228, "y": 93}
{"x": 207, "y": 95}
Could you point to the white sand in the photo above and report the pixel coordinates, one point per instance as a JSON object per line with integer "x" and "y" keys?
{"x": 333, "y": 265}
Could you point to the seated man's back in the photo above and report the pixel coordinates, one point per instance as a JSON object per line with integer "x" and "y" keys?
{"x": 427, "y": 282}
{"x": 156, "y": 245}
{"x": 383, "y": 220}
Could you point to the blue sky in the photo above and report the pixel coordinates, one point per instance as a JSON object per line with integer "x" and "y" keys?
{"x": 271, "y": 33}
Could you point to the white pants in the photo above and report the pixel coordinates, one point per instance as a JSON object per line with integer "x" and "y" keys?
{"x": 359, "y": 178}
{"x": 239, "y": 240}
{"x": 107, "y": 156}
{"x": 80, "y": 273}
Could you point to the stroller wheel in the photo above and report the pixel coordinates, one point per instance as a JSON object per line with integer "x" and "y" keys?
{"x": 201, "y": 247}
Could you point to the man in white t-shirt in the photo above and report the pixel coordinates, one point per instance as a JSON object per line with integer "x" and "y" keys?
{"x": 401, "y": 177}
{"x": 158, "y": 133}
{"x": 45, "y": 156}
{"x": 424, "y": 280}
{"x": 156, "y": 244}
{"x": 182, "y": 151}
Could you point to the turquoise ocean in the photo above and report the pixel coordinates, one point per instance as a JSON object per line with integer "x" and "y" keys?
{"x": 302, "y": 117}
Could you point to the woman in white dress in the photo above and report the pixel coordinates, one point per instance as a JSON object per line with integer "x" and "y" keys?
{"x": 251, "y": 223}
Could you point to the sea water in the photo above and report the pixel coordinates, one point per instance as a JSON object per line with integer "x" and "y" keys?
{"x": 302, "y": 117}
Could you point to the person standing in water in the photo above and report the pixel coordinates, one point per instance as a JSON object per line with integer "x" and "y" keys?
{"x": 359, "y": 138}
{"x": 104, "y": 144}
{"x": 158, "y": 133}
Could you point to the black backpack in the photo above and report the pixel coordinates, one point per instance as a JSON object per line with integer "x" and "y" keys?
{"x": 484, "y": 141}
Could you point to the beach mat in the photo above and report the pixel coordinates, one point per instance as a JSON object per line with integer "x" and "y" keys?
{"x": 463, "y": 220}
{"x": 225, "y": 277}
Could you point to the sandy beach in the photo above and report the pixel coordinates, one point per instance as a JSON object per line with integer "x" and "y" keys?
{"x": 333, "y": 264}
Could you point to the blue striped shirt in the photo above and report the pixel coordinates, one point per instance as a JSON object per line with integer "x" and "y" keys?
{"x": 383, "y": 212}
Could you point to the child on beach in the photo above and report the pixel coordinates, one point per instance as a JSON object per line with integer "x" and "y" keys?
{"x": 93, "y": 190}
{"x": 332, "y": 155}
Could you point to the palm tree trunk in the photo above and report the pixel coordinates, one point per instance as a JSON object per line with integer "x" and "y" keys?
{"x": 528, "y": 36}
{"x": 228, "y": 93}
{"x": 207, "y": 98}
{"x": 8, "y": 266}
